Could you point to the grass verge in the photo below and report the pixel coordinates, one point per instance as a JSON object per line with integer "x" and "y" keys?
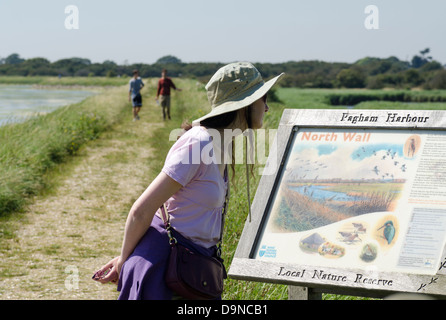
{"x": 362, "y": 99}
{"x": 76, "y": 221}
{"x": 29, "y": 150}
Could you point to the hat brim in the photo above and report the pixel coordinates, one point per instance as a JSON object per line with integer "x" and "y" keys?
{"x": 239, "y": 104}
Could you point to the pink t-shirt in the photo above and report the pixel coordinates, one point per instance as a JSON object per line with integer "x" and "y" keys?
{"x": 196, "y": 209}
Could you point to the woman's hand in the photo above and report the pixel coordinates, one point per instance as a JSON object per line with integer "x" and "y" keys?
{"x": 110, "y": 271}
{"x": 138, "y": 221}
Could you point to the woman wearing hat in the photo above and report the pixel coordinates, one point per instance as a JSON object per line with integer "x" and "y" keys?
{"x": 193, "y": 188}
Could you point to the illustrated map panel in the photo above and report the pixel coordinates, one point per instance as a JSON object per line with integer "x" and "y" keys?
{"x": 364, "y": 198}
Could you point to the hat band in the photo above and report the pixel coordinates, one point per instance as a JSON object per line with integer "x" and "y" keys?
{"x": 241, "y": 96}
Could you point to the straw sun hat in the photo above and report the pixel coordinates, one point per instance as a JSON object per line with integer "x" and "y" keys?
{"x": 235, "y": 86}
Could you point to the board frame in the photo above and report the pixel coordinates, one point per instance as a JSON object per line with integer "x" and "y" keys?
{"x": 245, "y": 267}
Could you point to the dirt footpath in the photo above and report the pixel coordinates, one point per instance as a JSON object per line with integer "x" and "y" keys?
{"x": 66, "y": 235}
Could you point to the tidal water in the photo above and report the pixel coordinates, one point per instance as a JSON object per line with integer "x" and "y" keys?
{"x": 20, "y": 102}
{"x": 321, "y": 193}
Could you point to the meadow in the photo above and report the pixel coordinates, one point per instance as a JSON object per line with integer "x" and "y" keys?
{"x": 31, "y": 152}
{"x": 363, "y": 99}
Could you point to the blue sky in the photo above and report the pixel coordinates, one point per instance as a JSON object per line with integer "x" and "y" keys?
{"x": 222, "y": 31}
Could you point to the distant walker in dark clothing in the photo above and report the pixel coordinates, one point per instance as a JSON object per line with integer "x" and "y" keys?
{"x": 135, "y": 86}
{"x": 164, "y": 85}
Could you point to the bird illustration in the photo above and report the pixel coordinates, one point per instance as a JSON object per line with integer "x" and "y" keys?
{"x": 389, "y": 231}
{"x": 368, "y": 253}
{"x": 349, "y": 236}
{"x": 412, "y": 147}
{"x": 376, "y": 170}
{"x": 359, "y": 228}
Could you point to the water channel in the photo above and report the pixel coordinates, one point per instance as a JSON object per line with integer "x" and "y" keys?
{"x": 19, "y": 102}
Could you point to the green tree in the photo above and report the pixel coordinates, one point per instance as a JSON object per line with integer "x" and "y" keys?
{"x": 432, "y": 66}
{"x": 351, "y": 78}
{"x": 109, "y": 63}
{"x": 413, "y": 77}
{"x": 111, "y": 74}
{"x": 13, "y": 59}
{"x": 71, "y": 66}
{"x": 419, "y": 61}
{"x": 168, "y": 60}
{"x": 438, "y": 81}
{"x": 37, "y": 66}
{"x": 35, "y": 63}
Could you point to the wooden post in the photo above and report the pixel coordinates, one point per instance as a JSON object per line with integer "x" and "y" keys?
{"x": 303, "y": 293}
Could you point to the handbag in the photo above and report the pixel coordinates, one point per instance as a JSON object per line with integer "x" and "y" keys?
{"x": 191, "y": 274}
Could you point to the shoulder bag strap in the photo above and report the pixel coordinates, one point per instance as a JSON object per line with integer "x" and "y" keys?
{"x": 225, "y": 208}
{"x": 167, "y": 225}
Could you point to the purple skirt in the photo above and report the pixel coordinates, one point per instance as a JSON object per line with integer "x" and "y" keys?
{"x": 142, "y": 274}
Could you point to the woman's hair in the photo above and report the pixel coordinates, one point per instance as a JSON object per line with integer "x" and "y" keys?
{"x": 222, "y": 121}
{"x": 238, "y": 119}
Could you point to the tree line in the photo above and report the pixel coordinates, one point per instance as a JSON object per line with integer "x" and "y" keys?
{"x": 372, "y": 73}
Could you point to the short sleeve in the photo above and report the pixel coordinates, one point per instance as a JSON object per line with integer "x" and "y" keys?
{"x": 183, "y": 162}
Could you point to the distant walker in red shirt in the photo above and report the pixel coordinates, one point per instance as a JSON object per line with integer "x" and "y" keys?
{"x": 164, "y": 85}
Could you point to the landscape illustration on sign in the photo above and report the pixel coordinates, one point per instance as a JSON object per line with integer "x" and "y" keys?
{"x": 340, "y": 180}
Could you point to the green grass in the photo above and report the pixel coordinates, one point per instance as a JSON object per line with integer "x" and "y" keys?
{"x": 319, "y": 99}
{"x": 353, "y": 98}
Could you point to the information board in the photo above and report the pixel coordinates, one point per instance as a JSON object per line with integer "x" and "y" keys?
{"x": 358, "y": 201}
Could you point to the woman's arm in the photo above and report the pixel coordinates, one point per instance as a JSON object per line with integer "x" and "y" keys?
{"x": 139, "y": 219}
{"x": 142, "y": 212}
